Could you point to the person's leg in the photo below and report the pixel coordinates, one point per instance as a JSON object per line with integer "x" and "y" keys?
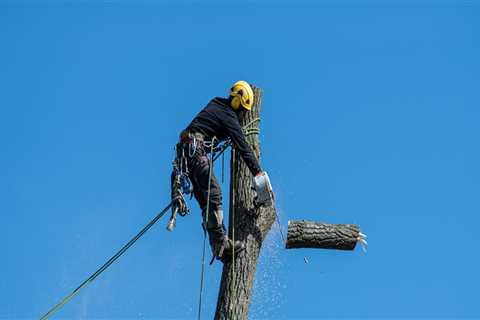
{"x": 213, "y": 223}
{"x": 199, "y": 175}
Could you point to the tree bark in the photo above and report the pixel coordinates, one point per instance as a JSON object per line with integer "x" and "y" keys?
{"x": 310, "y": 234}
{"x": 246, "y": 223}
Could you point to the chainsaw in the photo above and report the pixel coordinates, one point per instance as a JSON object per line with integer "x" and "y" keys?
{"x": 264, "y": 190}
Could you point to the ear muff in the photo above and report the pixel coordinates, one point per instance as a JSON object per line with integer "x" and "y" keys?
{"x": 236, "y": 102}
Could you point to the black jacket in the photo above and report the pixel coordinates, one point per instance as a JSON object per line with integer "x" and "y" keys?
{"x": 220, "y": 120}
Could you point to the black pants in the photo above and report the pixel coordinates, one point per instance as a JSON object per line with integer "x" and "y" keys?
{"x": 199, "y": 173}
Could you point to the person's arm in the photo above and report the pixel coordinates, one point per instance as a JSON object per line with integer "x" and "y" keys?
{"x": 235, "y": 132}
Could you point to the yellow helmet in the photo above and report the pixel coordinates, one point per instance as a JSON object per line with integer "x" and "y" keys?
{"x": 242, "y": 94}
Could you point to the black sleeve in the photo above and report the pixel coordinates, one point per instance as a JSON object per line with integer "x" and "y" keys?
{"x": 235, "y": 132}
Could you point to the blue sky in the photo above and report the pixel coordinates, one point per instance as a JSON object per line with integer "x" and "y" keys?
{"x": 370, "y": 116}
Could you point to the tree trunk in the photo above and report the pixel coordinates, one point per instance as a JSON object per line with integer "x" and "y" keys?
{"x": 310, "y": 234}
{"x": 246, "y": 223}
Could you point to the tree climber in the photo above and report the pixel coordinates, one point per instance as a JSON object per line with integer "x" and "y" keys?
{"x": 217, "y": 122}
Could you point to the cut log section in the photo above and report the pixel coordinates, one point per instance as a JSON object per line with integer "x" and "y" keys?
{"x": 311, "y": 234}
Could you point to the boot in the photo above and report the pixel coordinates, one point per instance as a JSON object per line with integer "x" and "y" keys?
{"x": 231, "y": 247}
{"x": 222, "y": 246}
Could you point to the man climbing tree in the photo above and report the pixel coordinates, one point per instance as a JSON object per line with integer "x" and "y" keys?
{"x": 251, "y": 214}
{"x": 217, "y": 122}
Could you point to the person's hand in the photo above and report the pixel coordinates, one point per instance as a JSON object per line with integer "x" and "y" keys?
{"x": 180, "y": 204}
{"x": 263, "y": 188}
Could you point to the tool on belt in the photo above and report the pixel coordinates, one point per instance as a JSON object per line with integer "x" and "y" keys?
{"x": 181, "y": 184}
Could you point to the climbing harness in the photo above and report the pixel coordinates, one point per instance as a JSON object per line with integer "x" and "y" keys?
{"x": 107, "y": 264}
{"x": 182, "y": 185}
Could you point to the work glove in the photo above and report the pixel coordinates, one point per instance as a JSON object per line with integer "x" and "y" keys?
{"x": 263, "y": 188}
{"x": 180, "y": 204}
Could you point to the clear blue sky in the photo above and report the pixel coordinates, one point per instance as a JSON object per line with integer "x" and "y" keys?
{"x": 371, "y": 116}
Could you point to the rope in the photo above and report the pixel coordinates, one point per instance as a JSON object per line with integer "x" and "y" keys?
{"x": 117, "y": 255}
{"x": 224, "y": 147}
{"x": 247, "y": 130}
{"x": 248, "y": 125}
{"x": 233, "y": 227}
{"x": 205, "y": 229}
{"x": 223, "y": 166}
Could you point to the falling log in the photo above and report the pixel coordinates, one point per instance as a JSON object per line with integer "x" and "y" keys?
{"x": 311, "y": 234}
